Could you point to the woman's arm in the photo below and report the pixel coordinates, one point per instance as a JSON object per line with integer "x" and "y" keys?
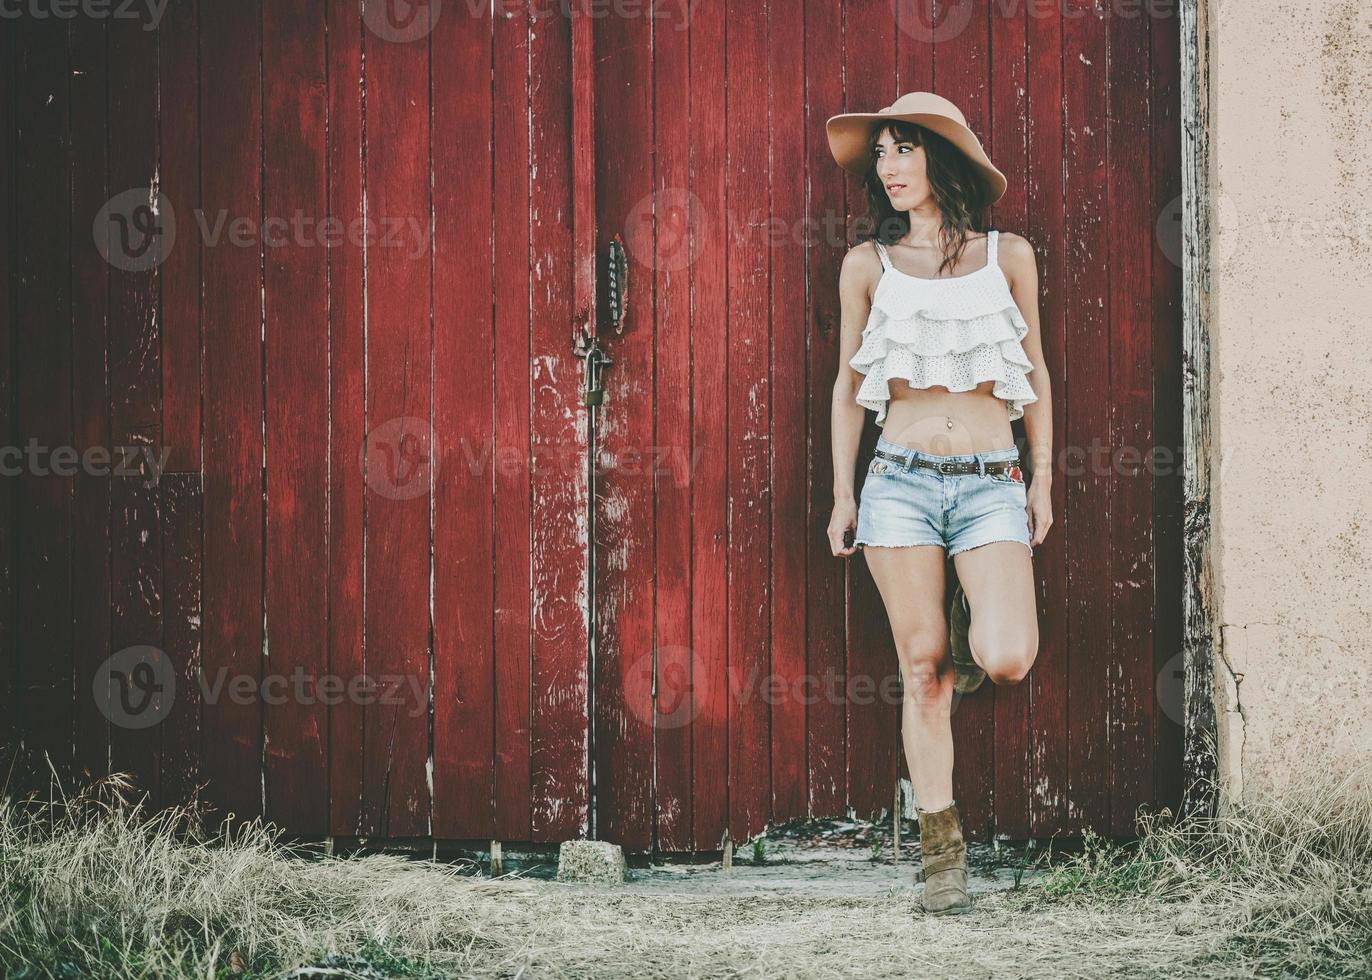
{"x": 860, "y": 270}
{"x": 1021, "y": 270}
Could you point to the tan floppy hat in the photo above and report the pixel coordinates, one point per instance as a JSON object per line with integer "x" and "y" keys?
{"x": 848, "y": 134}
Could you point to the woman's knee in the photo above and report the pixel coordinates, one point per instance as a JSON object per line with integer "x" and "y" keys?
{"x": 923, "y": 669}
{"x": 1006, "y": 659}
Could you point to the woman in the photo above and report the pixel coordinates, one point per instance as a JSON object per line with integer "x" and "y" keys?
{"x": 940, "y": 337}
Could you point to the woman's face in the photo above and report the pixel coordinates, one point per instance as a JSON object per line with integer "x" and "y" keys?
{"x": 900, "y": 165}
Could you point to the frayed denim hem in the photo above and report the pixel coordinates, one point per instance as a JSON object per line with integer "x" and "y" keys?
{"x": 969, "y": 547}
{"x": 912, "y": 544}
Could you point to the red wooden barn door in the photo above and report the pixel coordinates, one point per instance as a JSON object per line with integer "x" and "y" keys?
{"x": 385, "y": 419}
{"x": 478, "y": 578}
{"x": 743, "y": 674}
{"x": 364, "y": 566}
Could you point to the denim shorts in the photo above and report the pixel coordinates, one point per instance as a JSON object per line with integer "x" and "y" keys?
{"x": 901, "y": 506}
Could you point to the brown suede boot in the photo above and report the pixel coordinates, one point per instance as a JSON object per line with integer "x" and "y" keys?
{"x": 943, "y": 857}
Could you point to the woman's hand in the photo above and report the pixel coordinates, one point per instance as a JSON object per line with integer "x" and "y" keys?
{"x": 844, "y": 519}
{"x": 1040, "y": 508}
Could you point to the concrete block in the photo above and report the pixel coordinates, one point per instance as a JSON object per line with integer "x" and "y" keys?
{"x": 595, "y": 861}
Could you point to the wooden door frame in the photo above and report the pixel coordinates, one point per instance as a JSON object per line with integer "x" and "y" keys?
{"x": 1200, "y": 759}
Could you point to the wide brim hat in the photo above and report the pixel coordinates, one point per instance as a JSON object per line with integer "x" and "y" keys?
{"x": 850, "y": 132}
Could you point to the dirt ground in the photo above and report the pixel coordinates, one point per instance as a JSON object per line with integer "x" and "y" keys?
{"x": 824, "y": 903}
{"x": 828, "y": 858}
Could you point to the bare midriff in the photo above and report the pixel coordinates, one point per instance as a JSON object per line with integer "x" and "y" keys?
{"x": 918, "y": 418}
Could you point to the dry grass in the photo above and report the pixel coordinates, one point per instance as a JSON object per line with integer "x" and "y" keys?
{"x": 92, "y": 886}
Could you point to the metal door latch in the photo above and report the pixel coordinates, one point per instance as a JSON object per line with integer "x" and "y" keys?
{"x": 587, "y": 347}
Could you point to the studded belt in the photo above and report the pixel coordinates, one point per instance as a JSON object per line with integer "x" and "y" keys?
{"x": 1009, "y": 467}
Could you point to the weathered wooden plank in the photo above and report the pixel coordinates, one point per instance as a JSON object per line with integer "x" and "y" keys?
{"x": 1131, "y": 214}
{"x": 560, "y": 791}
{"x": 1007, "y": 145}
{"x": 1200, "y": 765}
{"x": 584, "y": 297}
{"x": 623, "y": 754}
{"x": 787, "y": 357}
{"x": 179, "y": 97}
{"x": 514, "y": 243}
{"x": 1168, "y": 386}
{"x": 875, "y": 760}
{"x": 179, "y": 171}
{"x": 135, "y": 369}
{"x": 709, "y": 704}
{"x": 9, "y": 703}
{"x": 231, "y": 125}
{"x": 295, "y": 720}
{"x": 747, "y": 179}
{"x": 1088, "y": 368}
{"x": 346, "y": 415}
{"x": 90, "y": 392}
{"x": 826, "y": 576}
{"x": 182, "y": 527}
{"x": 42, "y": 380}
{"x": 464, "y": 406}
{"x": 136, "y": 607}
{"x": 396, "y": 797}
{"x": 673, "y": 487}
{"x": 1045, "y": 228}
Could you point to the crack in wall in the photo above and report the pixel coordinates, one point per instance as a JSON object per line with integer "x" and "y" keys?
{"x": 1233, "y": 654}
{"x": 1234, "y": 722}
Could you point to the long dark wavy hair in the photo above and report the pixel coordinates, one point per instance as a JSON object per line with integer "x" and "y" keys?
{"x": 958, "y": 188}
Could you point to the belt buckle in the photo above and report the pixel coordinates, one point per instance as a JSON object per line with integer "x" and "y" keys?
{"x": 947, "y": 467}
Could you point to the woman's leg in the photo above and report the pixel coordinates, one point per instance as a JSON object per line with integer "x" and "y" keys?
{"x": 911, "y": 583}
{"x": 1004, "y": 634}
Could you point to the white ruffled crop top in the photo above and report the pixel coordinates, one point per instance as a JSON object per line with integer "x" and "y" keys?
{"x": 955, "y": 333}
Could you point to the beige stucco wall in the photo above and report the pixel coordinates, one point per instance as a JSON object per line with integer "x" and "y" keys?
{"x": 1291, "y": 362}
